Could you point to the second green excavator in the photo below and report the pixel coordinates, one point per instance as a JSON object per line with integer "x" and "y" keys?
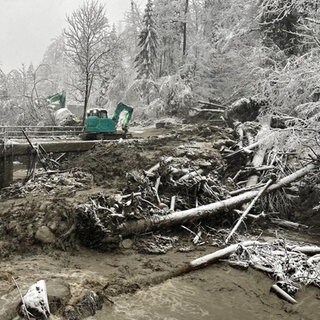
{"x": 98, "y": 125}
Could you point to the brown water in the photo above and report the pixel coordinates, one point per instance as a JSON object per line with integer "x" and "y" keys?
{"x": 213, "y": 293}
{"x": 216, "y": 292}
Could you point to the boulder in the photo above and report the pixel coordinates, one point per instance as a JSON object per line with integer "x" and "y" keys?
{"x": 45, "y": 235}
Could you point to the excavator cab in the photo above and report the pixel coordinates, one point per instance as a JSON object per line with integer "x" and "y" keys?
{"x": 99, "y": 126}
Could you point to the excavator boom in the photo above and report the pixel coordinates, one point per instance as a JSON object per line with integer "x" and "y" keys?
{"x": 122, "y": 107}
{"x": 61, "y": 97}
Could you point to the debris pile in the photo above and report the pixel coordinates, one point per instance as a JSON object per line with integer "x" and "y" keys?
{"x": 290, "y": 264}
{"x": 284, "y": 260}
{"x": 174, "y": 183}
{"x": 46, "y": 182}
{"x": 179, "y": 189}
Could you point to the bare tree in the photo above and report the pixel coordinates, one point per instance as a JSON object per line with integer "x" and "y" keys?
{"x": 86, "y": 38}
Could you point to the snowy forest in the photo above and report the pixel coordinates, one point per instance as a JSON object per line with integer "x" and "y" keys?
{"x": 206, "y": 207}
{"x": 171, "y": 54}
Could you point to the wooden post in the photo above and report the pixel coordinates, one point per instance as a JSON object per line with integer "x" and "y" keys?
{"x": 6, "y": 166}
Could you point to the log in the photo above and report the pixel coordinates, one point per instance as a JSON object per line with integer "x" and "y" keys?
{"x": 305, "y": 249}
{"x": 256, "y": 169}
{"x": 157, "y": 166}
{"x": 257, "y": 162}
{"x": 191, "y": 174}
{"x": 156, "y": 188}
{"x": 172, "y": 203}
{"x": 248, "y": 209}
{"x": 208, "y": 110}
{"x": 220, "y": 254}
{"x": 283, "y": 294}
{"x": 245, "y": 189}
{"x": 217, "y": 105}
{"x": 240, "y": 132}
{"x": 288, "y": 224}
{"x": 156, "y": 222}
{"x": 153, "y": 169}
{"x": 247, "y": 149}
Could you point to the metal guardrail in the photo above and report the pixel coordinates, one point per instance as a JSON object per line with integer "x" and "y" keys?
{"x": 39, "y": 132}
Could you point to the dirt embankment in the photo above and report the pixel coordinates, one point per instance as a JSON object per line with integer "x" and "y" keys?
{"x": 109, "y": 163}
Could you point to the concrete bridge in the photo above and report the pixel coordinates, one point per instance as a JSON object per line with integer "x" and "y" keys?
{"x": 8, "y": 152}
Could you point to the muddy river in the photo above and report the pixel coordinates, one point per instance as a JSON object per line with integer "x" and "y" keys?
{"x": 218, "y": 292}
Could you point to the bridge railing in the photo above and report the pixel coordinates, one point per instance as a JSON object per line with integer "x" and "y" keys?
{"x": 39, "y": 132}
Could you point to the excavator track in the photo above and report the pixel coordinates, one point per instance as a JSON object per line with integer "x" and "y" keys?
{"x": 105, "y": 136}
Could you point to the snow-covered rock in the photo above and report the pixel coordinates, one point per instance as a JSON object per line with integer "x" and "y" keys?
{"x": 36, "y": 299}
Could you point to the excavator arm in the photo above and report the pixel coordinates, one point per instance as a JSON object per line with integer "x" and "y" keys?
{"x": 122, "y": 107}
{"x": 61, "y": 97}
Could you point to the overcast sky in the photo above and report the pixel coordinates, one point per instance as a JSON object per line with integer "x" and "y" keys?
{"x": 28, "y": 26}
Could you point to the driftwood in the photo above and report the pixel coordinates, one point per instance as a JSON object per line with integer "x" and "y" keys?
{"x": 269, "y": 257}
{"x": 46, "y": 161}
{"x": 283, "y": 294}
{"x": 288, "y": 224}
{"x": 191, "y": 174}
{"x": 172, "y": 203}
{"x": 257, "y": 162}
{"x": 247, "y": 149}
{"x": 245, "y": 189}
{"x": 220, "y": 254}
{"x": 208, "y": 110}
{"x": 305, "y": 249}
{"x": 217, "y": 105}
{"x": 248, "y": 210}
{"x": 157, "y": 166}
{"x": 157, "y": 222}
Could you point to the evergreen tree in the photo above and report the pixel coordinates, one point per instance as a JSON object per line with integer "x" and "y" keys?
{"x": 170, "y": 16}
{"x": 148, "y": 42}
{"x": 130, "y": 35}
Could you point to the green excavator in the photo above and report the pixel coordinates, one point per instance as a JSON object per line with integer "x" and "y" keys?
{"x": 61, "y": 115}
{"x": 98, "y": 125}
{"x": 60, "y": 97}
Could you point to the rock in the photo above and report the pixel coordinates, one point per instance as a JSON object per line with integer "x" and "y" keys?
{"x": 126, "y": 243}
{"x": 58, "y": 294}
{"x": 44, "y": 206}
{"x": 86, "y": 306}
{"x": 36, "y": 301}
{"x": 45, "y": 235}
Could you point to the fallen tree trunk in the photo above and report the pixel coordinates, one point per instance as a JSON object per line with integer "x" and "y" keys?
{"x": 257, "y": 162}
{"x": 208, "y": 110}
{"x": 218, "y": 105}
{"x": 305, "y": 249}
{"x": 248, "y": 210}
{"x": 215, "y": 256}
{"x": 156, "y": 222}
{"x": 283, "y": 294}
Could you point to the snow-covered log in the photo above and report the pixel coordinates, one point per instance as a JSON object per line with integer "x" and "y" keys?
{"x": 178, "y": 217}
